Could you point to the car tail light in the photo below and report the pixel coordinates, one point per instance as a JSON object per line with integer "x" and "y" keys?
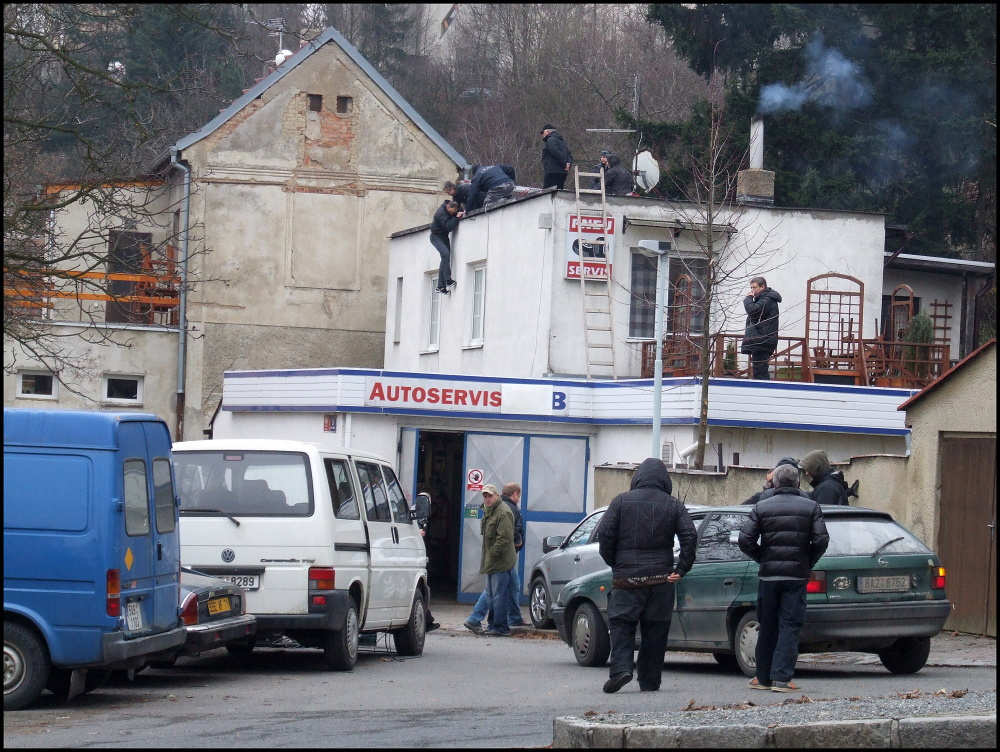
{"x": 816, "y": 582}
{"x": 114, "y": 588}
{"x": 321, "y": 578}
{"x": 189, "y": 611}
{"x": 937, "y": 578}
{"x": 319, "y": 600}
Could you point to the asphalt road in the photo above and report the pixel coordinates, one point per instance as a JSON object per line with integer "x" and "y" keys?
{"x": 465, "y": 691}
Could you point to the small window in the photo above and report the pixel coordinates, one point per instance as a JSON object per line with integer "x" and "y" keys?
{"x": 478, "y": 304}
{"x": 376, "y": 500}
{"x": 642, "y": 306}
{"x": 345, "y": 502}
{"x": 37, "y": 385}
{"x": 163, "y": 496}
{"x": 398, "y": 324}
{"x": 123, "y": 388}
{"x": 400, "y": 509}
{"x": 316, "y": 102}
{"x": 434, "y": 312}
{"x": 136, "y": 498}
{"x": 344, "y": 105}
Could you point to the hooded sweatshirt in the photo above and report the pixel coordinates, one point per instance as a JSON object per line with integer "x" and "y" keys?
{"x": 617, "y": 180}
{"x": 636, "y": 534}
{"x": 555, "y": 153}
{"x": 762, "y": 321}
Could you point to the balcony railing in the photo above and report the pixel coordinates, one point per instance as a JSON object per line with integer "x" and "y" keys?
{"x": 877, "y": 362}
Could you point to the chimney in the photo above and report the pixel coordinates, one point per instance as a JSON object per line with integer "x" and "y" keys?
{"x": 755, "y": 185}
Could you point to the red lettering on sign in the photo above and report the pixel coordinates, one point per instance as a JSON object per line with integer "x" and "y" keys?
{"x": 392, "y": 393}
{"x": 419, "y": 393}
{"x": 460, "y": 395}
{"x": 433, "y": 395}
{"x": 495, "y": 399}
{"x": 376, "y": 392}
{"x": 446, "y": 396}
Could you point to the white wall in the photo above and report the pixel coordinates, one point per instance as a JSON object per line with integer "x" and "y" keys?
{"x": 534, "y": 319}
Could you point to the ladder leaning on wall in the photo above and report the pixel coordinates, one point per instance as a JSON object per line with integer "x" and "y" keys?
{"x": 595, "y": 286}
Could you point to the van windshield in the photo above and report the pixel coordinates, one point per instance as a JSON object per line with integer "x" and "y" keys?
{"x": 245, "y": 484}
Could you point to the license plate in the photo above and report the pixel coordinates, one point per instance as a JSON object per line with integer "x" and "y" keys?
{"x": 133, "y": 616}
{"x": 886, "y": 584}
{"x": 218, "y": 606}
{"x": 245, "y": 581}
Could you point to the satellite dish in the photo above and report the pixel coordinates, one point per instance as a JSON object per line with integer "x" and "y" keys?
{"x": 646, "y": 170}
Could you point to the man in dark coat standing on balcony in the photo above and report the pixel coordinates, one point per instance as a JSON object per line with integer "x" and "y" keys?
{"x": 636, "y": 539}
{"x": 556, "y": 158}
{"x": 761, "y": 339}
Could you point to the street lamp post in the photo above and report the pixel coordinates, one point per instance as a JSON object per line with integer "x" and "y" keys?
{"x": 661, "y": 249}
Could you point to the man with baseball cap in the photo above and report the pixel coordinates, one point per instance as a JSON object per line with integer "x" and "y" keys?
{"x": 498, "y": 558}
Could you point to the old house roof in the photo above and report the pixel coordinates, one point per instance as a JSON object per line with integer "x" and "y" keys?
{"x": 947, "y": 374}
{"x": 328, "y": 36}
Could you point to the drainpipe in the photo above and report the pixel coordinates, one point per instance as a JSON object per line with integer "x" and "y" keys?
{"x": 688, "y": 449}
{"x": 182, "y": 312}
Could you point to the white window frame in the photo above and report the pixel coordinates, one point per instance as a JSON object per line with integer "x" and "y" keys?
{"x": 37, "y": 372}
{"x": 398, "y": 318}
{"x": 477, "y": 311}
{"x": 117, "y": 400}
{"x": 433, "y": 331}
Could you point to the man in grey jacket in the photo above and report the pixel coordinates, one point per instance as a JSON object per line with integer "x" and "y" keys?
{"x": 792, "y": 537}
{"x": 636, "y": 539}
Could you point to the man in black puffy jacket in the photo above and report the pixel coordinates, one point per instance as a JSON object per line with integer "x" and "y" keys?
{"x": 761, "y": 337}
{"x": 617, "y": 180}
{"x": 556, "y": 158}
{"x": 636, "y": 539}
{"x": 792, "y": 537}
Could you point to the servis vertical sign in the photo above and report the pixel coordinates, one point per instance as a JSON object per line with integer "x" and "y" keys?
{"x": 592, "y": 228}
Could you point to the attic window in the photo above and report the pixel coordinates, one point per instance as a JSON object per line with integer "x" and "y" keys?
{"x": 344, "y": 105}
{"x": 316, "y": 102}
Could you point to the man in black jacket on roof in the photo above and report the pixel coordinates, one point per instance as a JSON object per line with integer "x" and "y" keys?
{"x": 792, "y": 537}
{"x": 636, "y": 539}
{"x": 445, "y": 221}
{"x": 761, "y": 337}
{"x": 556, "y": 158}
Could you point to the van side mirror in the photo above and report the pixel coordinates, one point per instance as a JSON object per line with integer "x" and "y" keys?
{"x": 552, "y": 542}
{"x": 421, "y": 511}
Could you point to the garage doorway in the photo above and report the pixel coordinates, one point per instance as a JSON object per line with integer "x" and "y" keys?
{"x": 439, "y": 465}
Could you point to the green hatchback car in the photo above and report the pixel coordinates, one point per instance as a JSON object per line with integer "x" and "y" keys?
{"x": 877, "y": 589}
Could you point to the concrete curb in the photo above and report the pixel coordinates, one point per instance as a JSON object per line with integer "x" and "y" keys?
{"x": 942, "y": 732}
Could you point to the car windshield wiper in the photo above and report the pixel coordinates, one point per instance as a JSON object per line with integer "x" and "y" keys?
{"x": 212, "y": 511}
{"x": 888, "y": 542}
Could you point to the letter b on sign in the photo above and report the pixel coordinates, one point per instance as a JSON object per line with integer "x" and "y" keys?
{"x": 558, "y": 400}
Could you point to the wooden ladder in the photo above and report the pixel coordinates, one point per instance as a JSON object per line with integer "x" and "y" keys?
{"x": 595, "y": 286}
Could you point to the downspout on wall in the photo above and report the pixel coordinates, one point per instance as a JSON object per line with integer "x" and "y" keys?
{"x": 182, "y": 312}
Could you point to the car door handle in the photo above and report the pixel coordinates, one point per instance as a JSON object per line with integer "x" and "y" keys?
{"x": 727, "y": 583}
{"x": 576, "y": 558}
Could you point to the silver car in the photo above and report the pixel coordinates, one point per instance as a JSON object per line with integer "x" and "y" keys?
{"x": 565, "y": 558}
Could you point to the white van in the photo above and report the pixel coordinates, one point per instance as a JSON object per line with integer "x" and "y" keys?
{"x": 282, "y": 520}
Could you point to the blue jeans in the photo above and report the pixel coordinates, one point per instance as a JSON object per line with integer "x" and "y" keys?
{"x": 515, "y": 597}
{"x": 494, "y": 601}
{"x": 781, "y": 610}
{"x": 443, "y": 247}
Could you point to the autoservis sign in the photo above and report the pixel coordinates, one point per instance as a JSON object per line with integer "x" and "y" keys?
{"x": 425, "y": 394}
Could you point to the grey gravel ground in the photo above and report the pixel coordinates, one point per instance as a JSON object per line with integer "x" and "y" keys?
{"x": 799, "y": 708}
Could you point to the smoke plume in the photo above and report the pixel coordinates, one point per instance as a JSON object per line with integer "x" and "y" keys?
{"x": 831, "y": 80}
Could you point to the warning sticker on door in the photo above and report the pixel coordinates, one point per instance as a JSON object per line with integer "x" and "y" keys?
{"x": 474, "y": 479}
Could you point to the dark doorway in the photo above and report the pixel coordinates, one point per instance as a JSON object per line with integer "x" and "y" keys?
{"x": 440, "y": 468}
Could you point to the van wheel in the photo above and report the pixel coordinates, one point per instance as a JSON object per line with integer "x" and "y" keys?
{"x": 745, "y": 643}
{"x": 410, "y": 640}
{"x": 340, "y": 648}
{"x": 26, "y": 666}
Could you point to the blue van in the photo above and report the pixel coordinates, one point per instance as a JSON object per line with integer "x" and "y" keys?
{"x": 90, "y": 548}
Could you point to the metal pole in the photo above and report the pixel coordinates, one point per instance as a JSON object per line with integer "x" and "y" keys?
{"x": 662, "y": 271}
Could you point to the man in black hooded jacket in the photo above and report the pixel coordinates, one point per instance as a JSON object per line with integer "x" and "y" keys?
{"x": 617, "y": 180}
{"x": 556, "y": 158}
{"x": 636, "y": 539}
{"x": 761, "y": 338}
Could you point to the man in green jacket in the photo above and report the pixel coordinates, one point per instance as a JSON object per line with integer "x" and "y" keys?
{"x": 499, "y": 557}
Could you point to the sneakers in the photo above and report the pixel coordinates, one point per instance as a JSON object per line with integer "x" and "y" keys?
{"x": 754, "y": 684}
{"x": 778, "y": 686}
{"x": 473, "y": 627}
{"x": 451, "y": 284}
{"x": 497, "y": 633}
{"x": 442, "y": 290}
{"x": 616, "y": 682}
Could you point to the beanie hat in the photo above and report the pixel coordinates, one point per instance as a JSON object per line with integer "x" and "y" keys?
{"x": 816, "y": 463}
{"x": 546, "y": 127}
{"x": 788, "y": 461}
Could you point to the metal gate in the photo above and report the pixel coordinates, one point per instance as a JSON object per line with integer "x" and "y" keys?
{"x": 552, "y": 471}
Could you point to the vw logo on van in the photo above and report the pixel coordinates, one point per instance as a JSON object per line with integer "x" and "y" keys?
{"x": 228, "y": 555}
